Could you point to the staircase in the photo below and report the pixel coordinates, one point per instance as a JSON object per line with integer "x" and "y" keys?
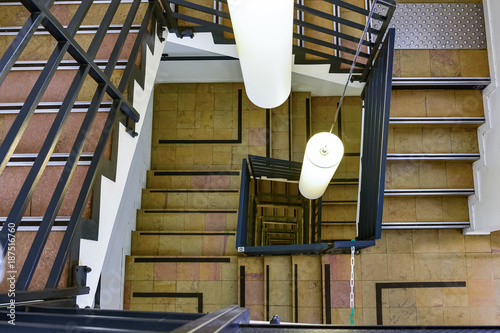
{"x": 58, "y": 106}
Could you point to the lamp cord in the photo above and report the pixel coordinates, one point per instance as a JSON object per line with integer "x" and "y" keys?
{"x": 354, "y": 64}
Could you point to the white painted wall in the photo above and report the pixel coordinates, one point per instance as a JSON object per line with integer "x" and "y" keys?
{"x": 121, "y": 199}
{"x": 485, "y": 204}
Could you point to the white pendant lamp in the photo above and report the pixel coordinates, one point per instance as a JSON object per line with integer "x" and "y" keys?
{"x": 324, "y": 151}
{"x": 263, "y": 30}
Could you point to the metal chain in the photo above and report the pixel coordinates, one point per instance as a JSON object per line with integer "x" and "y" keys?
{"x": 351, "y": 296}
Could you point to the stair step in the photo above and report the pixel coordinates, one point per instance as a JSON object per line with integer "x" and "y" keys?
{"x": 193, "y": 179}
{"x": 180, "y": 284}
{"x": 477, "y": 83}
{"x": 278, "y": 287}
{"x": 424, "y": 174}
{"x": 33, "y": 137}
{"x": 338, "y": 231}
{"x": 189, "y": 199}
{"x": 15, "y": 13}
{"x": 437, "y": 121}
{"x": 425, "y": 209}
{"x": 425, "y": 225}
{"x": 12, "y": 179}
{"x": 32, "y": 223}
{"x": 435, "y": 157}
{"x": 23, "y": 240}
{"x": 429, "y": 192}
{"x": 439, "y": 139}
{"x": 53, "y": 107}
{"x": 251, "y": 286}
{"x": 183, "y": 243}
{"x": 185, "y": 220}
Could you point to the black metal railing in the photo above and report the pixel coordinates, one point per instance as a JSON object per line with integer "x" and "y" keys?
{"x": 376, "y": 96}
{"x": 121, "y": 110}
{"x": 186, "y": 17}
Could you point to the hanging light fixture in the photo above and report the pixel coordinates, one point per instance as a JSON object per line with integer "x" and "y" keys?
{"x": 325, "y": 150}
{"x": 263, "y": 30}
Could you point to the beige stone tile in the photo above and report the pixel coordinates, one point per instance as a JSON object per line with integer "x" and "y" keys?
{"x": 453, "y": 267}
{"x": 404, "y": 174}
{"x": 230, "y": 293}
{"x": 428, "y": 297}
{"x": 396, "y": 66}
{"x": 400, "y": 209}
{"x": 400, "y": 267}
{"x": 459, "y": 175}
{"x": 440, "y": 103}
{"x": 309, "y": 267}
{"x": 478, "y": 243}
{"x": 430, "y": 316}
{"x": 455, "y": 209}
{"x": 451, "y": 240}
{"x": 402, "y": 298}
{"x": 445, "y": 63}
{"x": 138, "y": 271}
{"x": 481, "y": 293}
{"x": 399, "y": 241}
{"x": 425, "y": 241}
{"x": 483, "y": 316}
{"x": 401, "y": 316}
{"x": 415, "y": 63}
{"x": 436, "y": 140}
{"x": 374, "y": 267}
{"x": 469, "y": 103}
{"x": 407, "y": 140}
{"x": 191, "y": 245}
{"x": 474, "y": 63}
{"x": 169, "y": 245}
{"x": 464, "y": 140}
{"x": 479, "y": 266}
{"x": 186, "y": 88}
{"x": 455, "y": 296}
{"x": 212, "y": 292}
{"x": 410, "y": 103}
{"x": 429, "y": 209}
{"x": 432, "y": 174}
{"x": 146, "y": 244}
{"x": 427, "y": 267}
{"x": 310, "y": 314}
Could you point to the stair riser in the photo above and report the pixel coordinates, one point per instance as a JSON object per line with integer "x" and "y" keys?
{"x": 41, "y": 46}
{"x": 426, "y": 209}
{"x": 428, "y": 174}
{"x": 436, "y": 103}
{"x": 183, "y": 200}
{"x": 432, "y": 140}
{"x": 39, "y": 126}
{"x": 172, "y": 221}
{"x": 192, "y": 181}
{"x": 184, "y": 245}
{"x": 23, "y": 243}
{"x": 18, "y": 85}
{"x": 17, "y": 14}
{"x": 11, "y": 181}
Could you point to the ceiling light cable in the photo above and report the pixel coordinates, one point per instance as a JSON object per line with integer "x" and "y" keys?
{"x": 354, "y": 63}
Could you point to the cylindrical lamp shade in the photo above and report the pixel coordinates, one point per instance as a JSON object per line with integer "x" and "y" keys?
{"x": 324, "y": 151}
{"x": 263, "y": 30}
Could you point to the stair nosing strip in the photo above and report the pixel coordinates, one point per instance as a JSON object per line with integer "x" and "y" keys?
{"x": 195, "y": 211}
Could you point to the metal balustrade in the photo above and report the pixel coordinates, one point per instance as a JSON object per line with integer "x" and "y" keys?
{"x": 120, "y": 109}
